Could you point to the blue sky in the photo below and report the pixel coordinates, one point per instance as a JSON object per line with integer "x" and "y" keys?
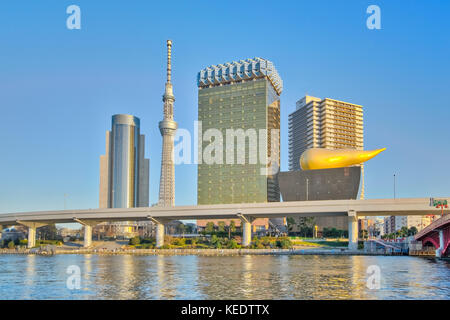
{"x": 59, "y": 87}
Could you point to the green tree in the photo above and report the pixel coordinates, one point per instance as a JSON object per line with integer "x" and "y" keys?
{"x": 216, "y": 242}
{"x": 412, "y": 231}
{"x": 306, "y": 225}
{"x": 284, "y": 243}
{"x": 48, "y": 232}
{"x": 189, "y": 229}
{"x": 221, "y": 226}
{"x": 403, "y": 232}
{"x": 232, "y": 226}
{"x": 214, "y": 239}
{"x": 232, "y": 244}
{"x": 11, "y": 244}
{"x": 179, "y": 241}
{"x": 256, "y": 243}
{"x": 181, "y": 228}
{"x": 290, "y": 224}
{"x": 209, "y": 227}
{"x": 135, "y": 241}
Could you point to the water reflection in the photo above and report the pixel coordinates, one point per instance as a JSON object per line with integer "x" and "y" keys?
{"x": 238, "y": 277}
{"x": 30, "y": 274}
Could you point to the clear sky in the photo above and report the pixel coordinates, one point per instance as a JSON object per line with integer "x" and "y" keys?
{"x": 59, "y": 87}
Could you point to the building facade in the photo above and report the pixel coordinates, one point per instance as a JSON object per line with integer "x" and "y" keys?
{"x": 324, "y": 123}
{"x": 395, "y": 223}
{"x": 419, "y": 222}
{"x": 330, "y": 124}
{"x": 242, "y": 96}
{"x": 124, "y": 171}
{"x": 323, "y": 184}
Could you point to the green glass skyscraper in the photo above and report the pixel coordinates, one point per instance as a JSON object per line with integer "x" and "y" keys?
{"x": 239, "y": 95}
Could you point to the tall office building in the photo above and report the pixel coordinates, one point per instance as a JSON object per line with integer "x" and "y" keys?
{"x": 325, "y": 123}
{"x": 243, "y": 95}
{"x": 168, "y": 128}
{"x": 124, "y": 172}
{"x": 331, "y": 124}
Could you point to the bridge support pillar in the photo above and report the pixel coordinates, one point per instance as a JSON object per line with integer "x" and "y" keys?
{"x": 159, "y": 235}
{"x": 246, "y": 223}
{"x": 87, "y": 242}
{"x": 32, "y": 226}
{"x": 352, "y": 230}
{"x": 441, "y": 244}
{"x": 31, "y": 237}
{"x": 159, "y": 224}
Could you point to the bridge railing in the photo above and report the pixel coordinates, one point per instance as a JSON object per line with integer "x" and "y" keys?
{"x": 386, "y": 244}
{"x": 435, "y": 224}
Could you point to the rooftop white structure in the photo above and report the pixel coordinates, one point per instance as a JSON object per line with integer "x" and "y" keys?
{"x": 238, "y": 71}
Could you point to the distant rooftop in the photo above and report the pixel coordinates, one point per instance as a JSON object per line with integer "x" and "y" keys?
{"x": 307, "y": 99}
{"x": 240, "y": 70}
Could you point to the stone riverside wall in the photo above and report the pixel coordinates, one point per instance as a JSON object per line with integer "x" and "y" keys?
{"x": 201, "y": 252}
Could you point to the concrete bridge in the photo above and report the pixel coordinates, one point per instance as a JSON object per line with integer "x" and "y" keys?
{"x": 437, "y": 234}
{"x": 247, "y": 212}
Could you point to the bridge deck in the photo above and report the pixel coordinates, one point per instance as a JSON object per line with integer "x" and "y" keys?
{"x": 438, "y": 223}
{"x": 370, "y": 207}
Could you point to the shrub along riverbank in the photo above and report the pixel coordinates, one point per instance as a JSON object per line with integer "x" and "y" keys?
{"x": 212, "y": 242}
{"x": 10, "y": 244}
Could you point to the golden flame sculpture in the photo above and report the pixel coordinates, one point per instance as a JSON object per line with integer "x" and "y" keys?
{"x": 320, "y": 158}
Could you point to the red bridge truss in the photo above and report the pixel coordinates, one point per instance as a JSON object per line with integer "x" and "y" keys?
{"x": 432, "y": 234}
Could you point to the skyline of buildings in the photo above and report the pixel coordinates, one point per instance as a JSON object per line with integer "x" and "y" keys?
{"x": 126, "y": 77}
{"x": 240, "y": 95}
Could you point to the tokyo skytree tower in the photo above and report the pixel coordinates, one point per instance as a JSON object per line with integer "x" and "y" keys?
{"x": 167, "y": 127}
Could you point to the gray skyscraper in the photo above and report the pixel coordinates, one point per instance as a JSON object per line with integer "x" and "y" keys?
{"x": 167, "y": 127}
{"x": 124, "y": 172}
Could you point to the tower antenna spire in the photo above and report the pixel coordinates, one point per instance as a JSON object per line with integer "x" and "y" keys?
{"x": 169, "y": 62}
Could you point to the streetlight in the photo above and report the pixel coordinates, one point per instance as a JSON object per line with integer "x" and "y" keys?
{"x": 394, "y": 185}
{"x": 307, "y": 189}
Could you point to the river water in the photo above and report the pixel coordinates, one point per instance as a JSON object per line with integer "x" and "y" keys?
{"x": 237, "y": 277}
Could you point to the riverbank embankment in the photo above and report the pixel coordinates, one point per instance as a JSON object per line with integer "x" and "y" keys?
{"x": 202, "y": 252}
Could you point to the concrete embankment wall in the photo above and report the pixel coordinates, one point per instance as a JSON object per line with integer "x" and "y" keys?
{"x": 202, "y": 252}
